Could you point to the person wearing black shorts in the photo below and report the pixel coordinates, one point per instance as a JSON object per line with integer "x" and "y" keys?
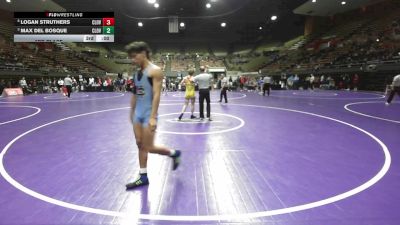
{"x": 267, "y": 85}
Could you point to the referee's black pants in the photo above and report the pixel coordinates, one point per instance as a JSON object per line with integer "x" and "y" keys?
{"x": 204, "y": 94}
{"x": 267, "y": 88}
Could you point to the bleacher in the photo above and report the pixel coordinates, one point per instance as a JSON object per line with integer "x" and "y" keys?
{"x": 360, "y": 40}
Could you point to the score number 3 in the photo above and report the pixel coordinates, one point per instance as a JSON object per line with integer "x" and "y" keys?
{"x": 108, "y": 21}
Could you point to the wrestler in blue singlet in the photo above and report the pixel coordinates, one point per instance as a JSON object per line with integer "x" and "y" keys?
{"x": 144, "y": 96}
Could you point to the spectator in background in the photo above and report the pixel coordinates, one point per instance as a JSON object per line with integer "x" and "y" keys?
{"x": 164, "y": 89}
{"x": 23, "y": 85}
{"x": 224, "y": 88}
{"x": 296, "y": 81}
{"x": 60, "y": 84}
{"x": 34, "y": 86}
{"x": 242, "y": 81}
{"x": 253, "y": 84}
{"x": 91, "y": 81}
{"x": 68, "y": 85}
{"x": 176, "y": 85}
{"x": 311, "y": 82}
{"x": 122, "y": 84}
{"x": 80, "y": 79}
{"x": 98, "y": 84}
{"x": 260, "y": 84}
{"x": 74, "y": 84}
{"x": 105, "y": 85}
{"x": 54, "y": 88}
{"x": 322, "y": 79}
{"x": 40, "y": 84}
{"x": 395, "y": 88}
{"x": 346, "y": 82}
{"x": 306, "y": 83}
{"x": 230, "y": 84}
{"x": 331, "y": 83}
{"x": 129, "y": 85}
{"x": 49, "y": 84}
{"x": 356, "y": 80}
{"x": 290, "y": 82}
{"x": 283, "y": 81}
{"x": 116, "y": 85}
{"x": 82, "y": 83}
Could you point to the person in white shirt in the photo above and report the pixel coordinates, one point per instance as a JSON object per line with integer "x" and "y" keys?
{"x": 74, "y": 84}
{"x": 204, "y": 81}
{"x": 394, "y": 89}
{"x": 91, "y": 84}
{"x": 60, "y": 84}
{"x": 322, "y": 79}
{"x": 23, "y": 85}
{"x": 224, "y": 88}
{"x": 80, "y": 84}
{"x": 22, "y": 82}
{"x": 312, "y": 79}
{"x": 68, "y": 84}
{"x": 164, "y": 89}
{"x": 91, "y": 81}
{"x": 267, "y": 85}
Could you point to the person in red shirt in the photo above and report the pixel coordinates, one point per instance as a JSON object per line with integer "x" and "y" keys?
{"x": 242, "y": 82}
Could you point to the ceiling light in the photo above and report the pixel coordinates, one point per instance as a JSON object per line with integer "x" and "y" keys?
{"x": 343, "y": 3}
{"x": 140, "y": 24}
{"x": 151, "y": 1}
{"x": 273, "y": 18}
{"x": 223, "y": 24}
{"x": 260, "y": 28}
{"x": 208, "y": 5}
{"x": 156, "y": 5}
{"x": 314, "y": 1}
{"x": 182, "y": 24}
{"x": 9, "y": 1}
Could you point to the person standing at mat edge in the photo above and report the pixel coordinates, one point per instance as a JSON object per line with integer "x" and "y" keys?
{"x": 68, "y": 85}
{"x": 394, "y": 89}
{"x": 224, "y": 88}
{"x": 144, "y": 107}
{"x": 204, "y": 81}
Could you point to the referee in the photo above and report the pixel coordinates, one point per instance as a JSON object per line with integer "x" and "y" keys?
{"x": 267, "y": 85}
{"x": 204, "y": 80}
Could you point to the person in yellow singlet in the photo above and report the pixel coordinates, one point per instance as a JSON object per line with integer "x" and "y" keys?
{"x": 190, "y": 94}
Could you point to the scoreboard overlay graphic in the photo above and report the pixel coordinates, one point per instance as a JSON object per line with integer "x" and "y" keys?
{"x": 64, "y": 26}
